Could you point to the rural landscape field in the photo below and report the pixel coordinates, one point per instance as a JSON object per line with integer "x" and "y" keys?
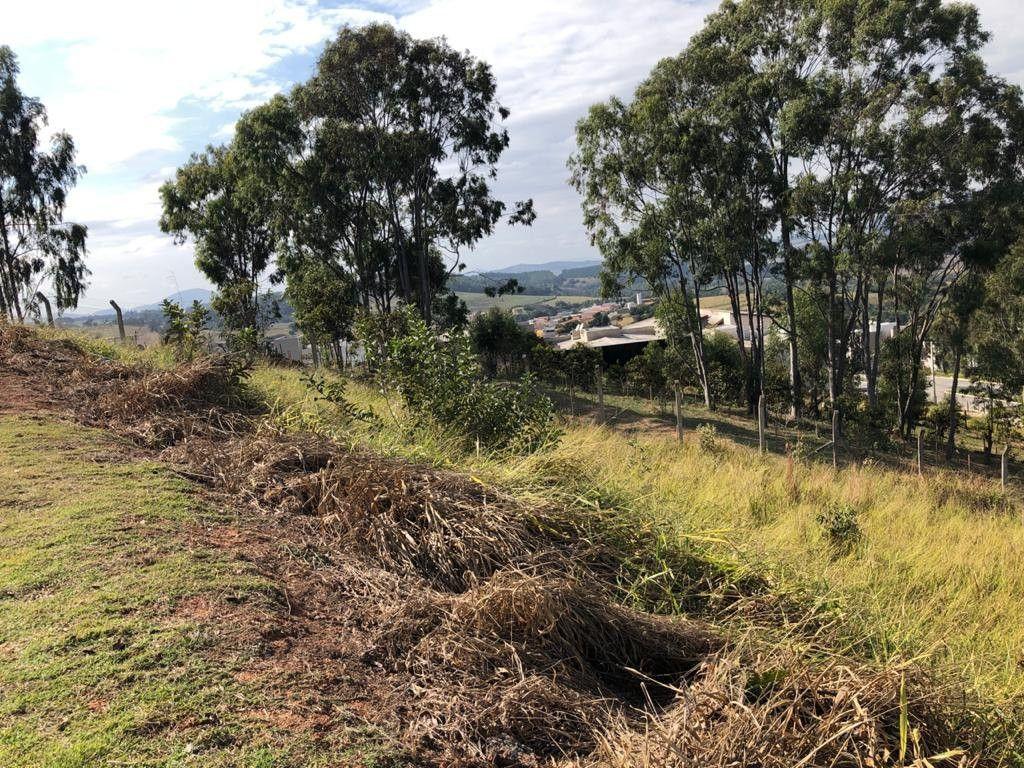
{"x": 431, "y": 384}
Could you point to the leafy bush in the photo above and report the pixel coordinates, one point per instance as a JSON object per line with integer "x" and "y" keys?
{"x": 839, "y": 526}
{"x": 500, "y": 341}
{"x": 333, "y": 391}
{"x": 184, "y": 329}
{"x": 707, "y": 438}
{"x": 441, "y": 380}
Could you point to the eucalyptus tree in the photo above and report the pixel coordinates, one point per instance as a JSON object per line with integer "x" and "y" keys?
{"x": 652, "y": 174}
{"x": 36, "y": 244}
{"x": 324, "y": 301}
{"x": 952, "y": 334}
{"x": 752, "y": 61}
{"x": 225, "y": 203}
{"x": 961, "y": 211}
{"x": 402, "y": 138}
{"x": 904, "y": 132}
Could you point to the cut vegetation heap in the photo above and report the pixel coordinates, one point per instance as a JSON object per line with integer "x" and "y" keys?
{"x": 497, "y": 633}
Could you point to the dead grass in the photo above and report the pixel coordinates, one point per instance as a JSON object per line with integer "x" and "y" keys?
{"x": 494, "y": 630}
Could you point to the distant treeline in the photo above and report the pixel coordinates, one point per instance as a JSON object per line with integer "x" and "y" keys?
{"x": 578, "y": 281}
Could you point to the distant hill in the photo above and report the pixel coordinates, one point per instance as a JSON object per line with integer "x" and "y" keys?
{"x": 550, "y": 266}
{"x": 184, "y": 298}
{"x": 568, "y": 281}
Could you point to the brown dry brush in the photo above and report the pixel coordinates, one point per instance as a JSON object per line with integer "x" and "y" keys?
{"x": 500, "y": 626}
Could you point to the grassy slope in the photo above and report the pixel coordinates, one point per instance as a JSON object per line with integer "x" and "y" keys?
{"x": 98, "y": 664}
{"x": 938, "y": 569}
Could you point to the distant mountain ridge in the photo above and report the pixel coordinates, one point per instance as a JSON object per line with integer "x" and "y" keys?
{"x": 547, "y": 266}
{"x": 184, "y": 298}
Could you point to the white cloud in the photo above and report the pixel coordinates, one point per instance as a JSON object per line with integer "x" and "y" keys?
{"x": 553, "y": 56}
{"x": 128, "y": 65}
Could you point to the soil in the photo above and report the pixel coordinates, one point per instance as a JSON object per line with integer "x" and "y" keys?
{"x": 302, "y": 654}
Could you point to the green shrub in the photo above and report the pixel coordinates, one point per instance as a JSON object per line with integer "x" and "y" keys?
{"x": 184, "y": 331}
{"x": 839, "y": 526}
{"x": 707, "y": 438}
{"x": 441, "y": 380}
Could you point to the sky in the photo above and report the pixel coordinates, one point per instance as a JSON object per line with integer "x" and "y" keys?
{"x": 140, "y": 85}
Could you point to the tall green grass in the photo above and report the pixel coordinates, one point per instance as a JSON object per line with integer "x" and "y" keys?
{"x": 928, "y": 568}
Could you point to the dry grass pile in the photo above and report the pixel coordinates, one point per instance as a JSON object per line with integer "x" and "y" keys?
{"x": 153, "y": 407}
{"x": 446, "y": 528}
{"x": 494, "y": 628}
{"x": 54, "y": 367}
{"x": 163, "y": 408}
{"x": 776, "y": 710}
{"x": 503, "y": 642}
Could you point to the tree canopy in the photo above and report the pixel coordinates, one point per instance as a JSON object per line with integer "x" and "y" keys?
{"x": 857, "y": 153}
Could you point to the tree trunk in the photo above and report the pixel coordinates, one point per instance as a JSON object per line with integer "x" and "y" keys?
{"x": 795, "y": 385}
{"x": 951, "y": 437}
{"x": 875, "y": 354}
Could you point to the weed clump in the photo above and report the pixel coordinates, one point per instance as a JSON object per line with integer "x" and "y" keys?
{"x": 707, "y": 439}
{"x": 839, "y": 526}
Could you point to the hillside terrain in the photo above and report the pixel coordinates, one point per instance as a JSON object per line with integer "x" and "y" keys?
{"x": 241, "y": 577}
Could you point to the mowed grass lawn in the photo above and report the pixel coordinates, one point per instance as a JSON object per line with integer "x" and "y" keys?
{"x": 929, "y": 568}
{"x": 100, "y": 662}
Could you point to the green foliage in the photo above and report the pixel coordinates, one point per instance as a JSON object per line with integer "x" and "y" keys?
{"x": 579, "y": 365}
{"x": 333, "y": 391}
{"x": 324, "y": 301}
{"x": 725, "y": 369}
{"x": 935, "y": 418}
{"x": 501, "y": 343}
{"x": 510, "y": 287}
{"x": 998, "y": 332}
{"x": 646, "y": 373}
{"x": 184, "y": 329}
{"x": 441, "y": 380}
{"x": 894, "y": 376}
{"x": 839, "y": 526}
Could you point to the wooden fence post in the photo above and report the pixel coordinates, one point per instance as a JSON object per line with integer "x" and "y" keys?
{"x": 761, "y": 419}
{"x": 920, "y": 452}
{"x": 120, "y": 319}
{"x": 835, "y": 438}
{"x": 600, "y": 395}
{"x": 679, "y": 412}
{"x": 790, "y": 479}
{"x": 1004, "y": 466}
